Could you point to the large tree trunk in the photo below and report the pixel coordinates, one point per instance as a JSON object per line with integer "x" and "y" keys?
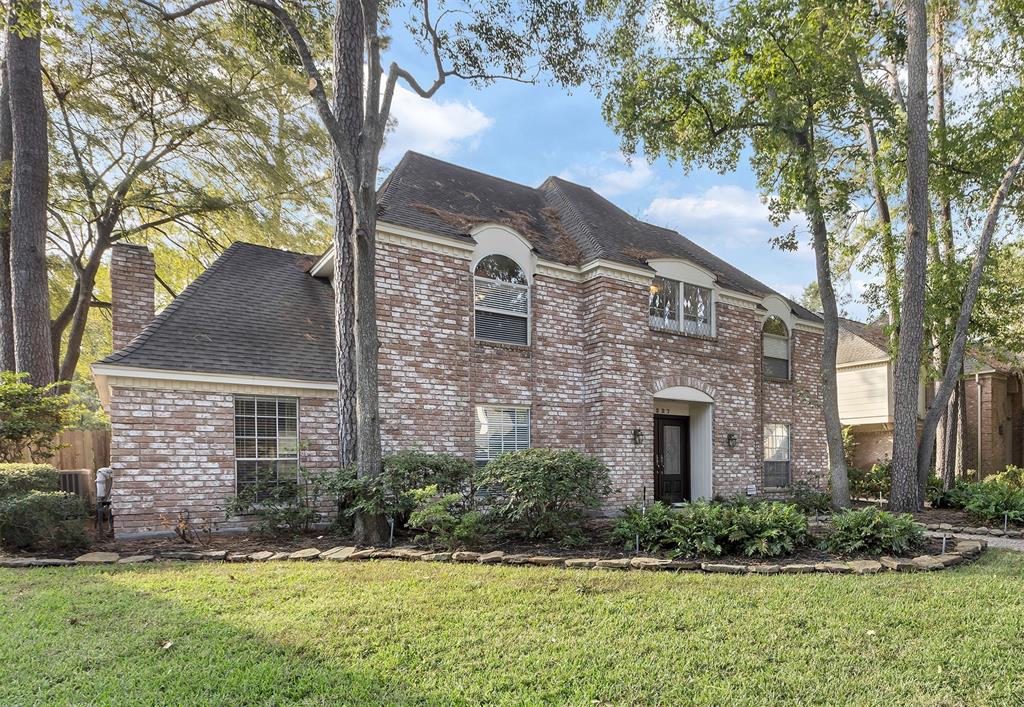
{"x": 948, "y": 469}
{"x": 6, "y": 152}
{"x": 959, "y": 344}
{"x": 906, "y": 491}
{"x": 830, "y": 339}
{"x": 33, "y": 351}
{"x": 348, "y": 63}
{"x": 82, "y": 297}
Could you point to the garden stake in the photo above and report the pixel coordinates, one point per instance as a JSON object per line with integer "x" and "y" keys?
{"x": 391, "y": 534}
{"x": 943, "y": 544}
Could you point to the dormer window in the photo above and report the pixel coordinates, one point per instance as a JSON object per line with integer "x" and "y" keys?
{"x": 775, "y": 343}
{"x": 501, "y": 301}
{"x": 681, "y": 306}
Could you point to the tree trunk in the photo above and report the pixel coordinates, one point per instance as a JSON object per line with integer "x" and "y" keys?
{"x": 33, "y": 350}
{"x": 948, "y": 469}
{"x": 959, "y": 344}
{"x": 830, "y": 339}
{"x": 6, "y": 150}
{"x": 906, "y": 492}
{"x": 959, "y": 463}
{"x": 348, "y": 62}
{"x": 82, "y": 306}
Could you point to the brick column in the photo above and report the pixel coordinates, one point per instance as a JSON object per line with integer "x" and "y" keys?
{"x": 131, "y": 285}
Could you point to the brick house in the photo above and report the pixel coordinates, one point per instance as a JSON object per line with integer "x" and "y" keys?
{"x": 509, "y": 317}
{"x": 992, "y": 432}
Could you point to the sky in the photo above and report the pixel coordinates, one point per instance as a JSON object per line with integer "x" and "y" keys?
{"x": 526, "y": 133}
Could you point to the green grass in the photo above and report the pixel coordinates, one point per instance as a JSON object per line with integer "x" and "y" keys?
{"x": 392, "y": 632}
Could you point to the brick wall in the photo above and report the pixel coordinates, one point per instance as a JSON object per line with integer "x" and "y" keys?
{"x": 131, "y": 285}
{"x": 1001, "y": 423}
{"x": 874, "y": 445}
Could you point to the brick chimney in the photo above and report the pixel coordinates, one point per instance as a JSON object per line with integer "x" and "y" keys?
{"x": 132, "y": 274}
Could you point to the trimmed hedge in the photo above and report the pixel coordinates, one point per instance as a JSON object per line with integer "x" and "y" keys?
{"x": 17, "y": 479}
{"x": 42, "y": 520}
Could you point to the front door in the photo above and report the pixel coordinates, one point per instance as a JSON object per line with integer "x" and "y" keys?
{"x": 671, "y": 458}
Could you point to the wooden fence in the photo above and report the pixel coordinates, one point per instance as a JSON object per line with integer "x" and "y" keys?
{"x": 86, "y": 449}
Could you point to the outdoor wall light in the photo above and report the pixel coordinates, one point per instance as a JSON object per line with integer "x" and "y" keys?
{"x": 731, "y": 439}
{"x": 638, "y": 436}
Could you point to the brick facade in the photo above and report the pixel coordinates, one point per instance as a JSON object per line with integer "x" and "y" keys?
{"x": 131, "y": 284}
{"x": 590, "y": 377}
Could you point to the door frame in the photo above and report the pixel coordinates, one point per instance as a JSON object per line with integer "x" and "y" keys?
{"x": 684, "y": 422}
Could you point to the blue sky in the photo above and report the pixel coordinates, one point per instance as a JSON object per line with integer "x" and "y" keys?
{"x": 529, "y": 132}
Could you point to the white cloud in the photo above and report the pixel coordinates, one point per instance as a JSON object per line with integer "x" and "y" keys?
{"x": 723, "y": 212}
{"x": 612, "y": 175}
{"x": 433, "y": 127}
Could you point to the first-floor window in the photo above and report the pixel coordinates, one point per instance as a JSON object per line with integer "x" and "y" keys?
{"x": 776, "y": 455}
{"x": 499, "y": 430}
{"x": 266, "y": 443}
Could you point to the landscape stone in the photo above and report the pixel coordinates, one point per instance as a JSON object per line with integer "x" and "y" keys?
{"x": 215, "y": 555}
{"x": 765, "y": 569}
{"x": 546, "y": 560}
{"x": 516, "y": 559}
{"x": 684, "y": 565}
{"x": 833, "y": 567}
{"x": 16, "y": 562}
{"x": 310, "y": 553}
{"x": 865, "y": 566}
{"x": 135, "y": 559}
{"x": 927, "y": 563}
{"x": 364, "y": 554}
{"x": 280, "y": 556}
{"x": 950, "y": 559}
{"x": 981, "y": 530}
{"x": 465, "y": 556}
{"x": 581, "y": 562}
{"x": 401, "y": 553}
{"x": 182, "y": 555}
{"x": 897, "y": 564}
{"x": 723, "y": 568}
{"x": 436, "y": 557}
{"x": 996, "y": 532}
{"x": 98, "y": 558}
{"x": 51, "y": 562}
{"x": 339, "y": 554}
{"x": 261, "y": 556}
{"x": 491, "y": 558}
{"x": 797, "y": 569}
{"x": 945, "y": 526}
{"x": 331, "y": 551}
{"x": 649, "y": 563}
{"x": 969, "y": 548}
{"x": 237, "y": 557}
{"x": 621, "y": 563}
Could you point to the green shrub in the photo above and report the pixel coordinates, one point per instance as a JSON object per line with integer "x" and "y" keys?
{"x": 761, "y": 529}
{"x": 810, "y": 500}
{"x": 991, "y": 500}
{"x": 651, "y": 526}
{"x": 545, "y": 492}
{"x": 870, "y": 483}
{"x": 42, "y": 520}
{"x": 1012, "y": 478}
{"x": 281, "y": 509}
{"x": 870, "y": 530}
{"x": 446, "y": 518}
{"x": 17, "y": 479}
{"x": 31, "y": 418}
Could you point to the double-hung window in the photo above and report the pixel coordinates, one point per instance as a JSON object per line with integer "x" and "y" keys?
{"x": 266, "y": 443}
{"x": 777, "y": 450}
{"x": 680, "y": 306}
{"x": 501, "y": 298}
{"x": 499, "y": 430}
{"x": 775, "y": 342}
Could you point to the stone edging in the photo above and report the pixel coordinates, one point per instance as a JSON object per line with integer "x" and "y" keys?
{"x": 963, "y": 551}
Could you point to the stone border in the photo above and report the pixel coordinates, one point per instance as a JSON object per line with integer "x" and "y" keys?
{"x": 823, "y": 520}
{"x": 963, "y": 551}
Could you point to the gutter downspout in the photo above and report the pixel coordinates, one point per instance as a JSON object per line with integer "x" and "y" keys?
{"x": 977, "y": 383}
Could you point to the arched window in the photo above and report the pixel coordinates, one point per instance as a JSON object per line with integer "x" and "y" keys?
{"x": 501, "y": 301}
{"x": 775, "y": 342}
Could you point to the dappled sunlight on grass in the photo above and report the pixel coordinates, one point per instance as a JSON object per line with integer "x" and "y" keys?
{"x": 433, "y": 633}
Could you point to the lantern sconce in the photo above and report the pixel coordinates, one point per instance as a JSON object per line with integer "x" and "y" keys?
{"x": 638, "y": 436}
{"x": 731, "y": 440}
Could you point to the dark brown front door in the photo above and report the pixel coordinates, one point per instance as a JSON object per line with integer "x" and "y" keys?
{"x": 671, "y": 458}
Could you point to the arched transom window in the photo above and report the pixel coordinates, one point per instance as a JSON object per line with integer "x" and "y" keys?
{"x": 501, "y": 301}
{"x": 775, "y": 340}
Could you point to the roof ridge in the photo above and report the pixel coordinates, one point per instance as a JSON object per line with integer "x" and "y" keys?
{"x": 467, "y": 169}
{"x": 143, "y": 336}
{"x": 573, "y": 213}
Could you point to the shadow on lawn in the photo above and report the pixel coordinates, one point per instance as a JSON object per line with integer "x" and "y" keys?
{"x": 127, "y": 635}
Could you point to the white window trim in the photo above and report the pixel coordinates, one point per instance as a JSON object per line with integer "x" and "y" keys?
{"x": 529, "y": 301}
{"x": 500, "y": 407}
{"x": 234, "y": 433}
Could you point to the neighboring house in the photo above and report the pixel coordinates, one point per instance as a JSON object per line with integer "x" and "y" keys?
{"x": 509, "y": 317}
{"x": 993, "y": 435}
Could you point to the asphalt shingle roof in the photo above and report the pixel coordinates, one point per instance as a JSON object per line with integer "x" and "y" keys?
{"x": 255, "y": 311}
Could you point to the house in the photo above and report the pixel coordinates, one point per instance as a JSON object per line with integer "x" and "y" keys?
{"x": 509, "y": 317}
{"x": 993, "y": 433}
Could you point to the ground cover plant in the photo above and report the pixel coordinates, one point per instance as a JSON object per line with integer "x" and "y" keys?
{"x": 34, "y": 513}
{"x": 422, "y": 633}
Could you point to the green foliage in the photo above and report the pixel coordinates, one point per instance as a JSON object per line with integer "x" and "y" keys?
{"x": 990, "y": 500}
{"x": 762, "y": 529}
{"x": 281, "y": 508}
{"x": 870, "y": 483}
{"x": 42, "y": 520}
{"x": 17, "y": 479}
{"x": 810, "y": 500}
{"x": 872, "y": 531}
{"x": 652, "y": 527}
{"x": 1012, "y": 477}
{"x": 446, "y": 518}
{"x": 849, "y": 445}
{"x": 545, "y": 492}
{"x": 30, "y": 418}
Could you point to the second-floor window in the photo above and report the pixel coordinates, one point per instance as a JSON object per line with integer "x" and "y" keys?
{"x": 681, "y": 306}
{"x": 775, "y": 342}
{"x": 501, "y": 297}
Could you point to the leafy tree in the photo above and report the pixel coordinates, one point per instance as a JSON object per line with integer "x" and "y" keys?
{"x": 478, "y": 42}
{"x": 702, "y": 82}
{"x": 31, "y": 417}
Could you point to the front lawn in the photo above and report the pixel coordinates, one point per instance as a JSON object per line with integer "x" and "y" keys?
{"x": 393, "y": 632}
